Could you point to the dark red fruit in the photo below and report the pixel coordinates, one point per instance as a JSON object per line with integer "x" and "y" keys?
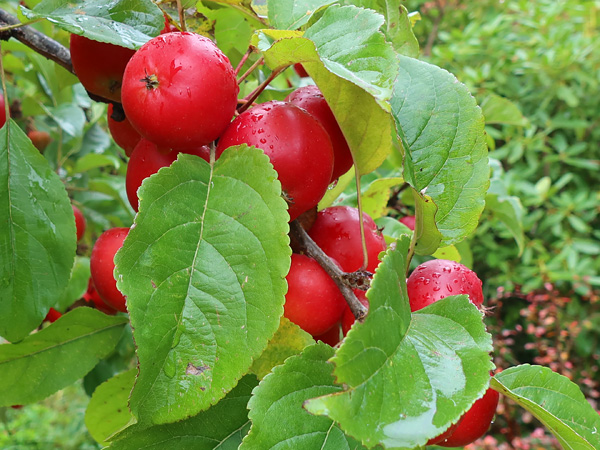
{"x": 146, "y": 160}
{"x": 337, "y": 232}
{"x": 39, "y": 139}
{"x": 300, "y": 70}
{"x": 409, "y": 221}
{"x": 179, "y": 91}
{"x": 92, "y": 296}
{"x": 348, "y": 318}
{"x": 295, "y": 142}
{"x": 102, "y": 266}
{"x": 52, "y": 315}
{"x": 474, "y": 423}
{"x": 122, "y": 132}
{"x": 311, "y": 99}
{"x": 2, "y": 111}
{"x": 79, "y": 222}
{"x": 313, "y": 300}
{"x": 439, "y": 278}
{"x": 99, "y": 66}
{"x": 331, "y": 337}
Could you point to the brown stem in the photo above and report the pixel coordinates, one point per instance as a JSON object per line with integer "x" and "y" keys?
{"x": 250, "y": 70}
{"x": 37, "y": 41}
{"x": 181, "y": 15}
{"x": 242, "y": 62}
{"x": 340, "y": 278}
{"x": 434, "y": 30}
{"x": 256, "y": 92}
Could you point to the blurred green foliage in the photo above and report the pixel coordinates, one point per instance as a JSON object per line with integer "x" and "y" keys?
{"x": 544, "y": 57}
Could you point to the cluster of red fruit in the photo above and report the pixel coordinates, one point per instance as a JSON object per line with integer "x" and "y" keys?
{"x": 179, "y": 95}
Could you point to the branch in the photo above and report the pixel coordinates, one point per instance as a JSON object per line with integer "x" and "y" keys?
{"x": 343, "y": 280}
{"x": 35, "y": 40}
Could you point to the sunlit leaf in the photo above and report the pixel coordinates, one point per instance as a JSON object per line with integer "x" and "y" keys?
{"x": 203, "y": 270}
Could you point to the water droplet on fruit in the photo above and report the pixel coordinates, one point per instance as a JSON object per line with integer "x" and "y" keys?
{"x": 263, "y": 141}
{"x": 449, "y": 287}
{"x": 436, "y": 288}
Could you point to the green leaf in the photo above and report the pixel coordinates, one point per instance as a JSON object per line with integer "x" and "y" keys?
{"x": 94, "y": 161}
{"x": 442, "y": 130}
{"x": 347, "y": 57}
{"x": 278, "y": 419}
{"x": 506, "y": 208}
{"x": 69, "y": 117}
{"x": 375, "y": 198}
{"x": 332, "y": 194}
{"x": 555, "y": 400}
{"x": 289, "y": 340}
{"x": 221, "y": 427}
{"x": 428, "y": 235}
{"x": 56, "y": 356}
{"x": 500, "y": 110}
{"x": 398, "y": 27}
{"x": 450, "y": 253}
{"x": 37, "y": 235}
{"x": 107, "y": 411}
{"x": 392, "y": 229}
{"x": 292, "y": 14}
{"x": 78, "y": 283}
{"x": 408, "y": 377}
{"x": 203, "y": 269}
{"x": 127, "y": 23}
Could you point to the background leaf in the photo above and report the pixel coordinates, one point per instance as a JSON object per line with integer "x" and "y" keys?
{"x": 500, "y": 110}
{"x": 347, "y": 57}
{"x": 203, "y": 270}
{"x": 221, "y": 427}
{"x": 292, "y": 14}
{"x": 398, "y": 27}
{"x": 56, "y": 356}
{"x": 37, "y": 235}
{"x": 78, "y": 283}
{"x": 445, "y": 152}
{"x": 289, "y": 340}
{"x": 127, "y": 23}
{"x": 278, "y": 419}
{"x": 107, "y": 411}
{"x": 555, "y": 400}
{"x": 407, "y": 377}
{"x": 375, "y": 198}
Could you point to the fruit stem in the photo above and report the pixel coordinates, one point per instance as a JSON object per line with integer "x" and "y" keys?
{"x": 242, "y": 62}
{"x": 256, "y": 92}
{"x": 181, "y": 15}
{"x": 360, "y": 222}
{"x": 340, "y": 278}
{"x": 250, "y": 70}
{"x": 37, "y": 41}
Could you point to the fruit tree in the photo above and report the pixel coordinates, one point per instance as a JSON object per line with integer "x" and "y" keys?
{"x": 244, "y": 231}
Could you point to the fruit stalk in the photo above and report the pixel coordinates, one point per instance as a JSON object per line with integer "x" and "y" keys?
{"x": 37, "y": 41}
{"x": 336, "y": 274}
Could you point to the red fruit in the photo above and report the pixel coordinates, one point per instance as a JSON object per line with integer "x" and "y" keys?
{"x": 102, "y": 266}
{"x": 169, "y": 27}
{"x": 348, "y": 318}
{"x": 16, "y": 406}
{"x": 52, "y": 315}
{"x": 337, "y": 232}
{"x": 295, "y": 142}
{"x": 146, "y": 160}
{"x": 99, "y": 66}
{"x": 79, "y": 222}
{"x": 300, "y": 70}
{"x": 474, "y": 423}
{"x": 331, "y": 337}
{"x": 311, "y": 99}
{"x": 409, "y": 221}
{"x": 313, "y": 301}
{"x": 439, "y": 278}
{"x": 2, "y": 111}
{"x": 179, "y": 91}
{"x": 39, "y": 139}
{"x": 91, "y": 295}
{"x": 122, "y": 132}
